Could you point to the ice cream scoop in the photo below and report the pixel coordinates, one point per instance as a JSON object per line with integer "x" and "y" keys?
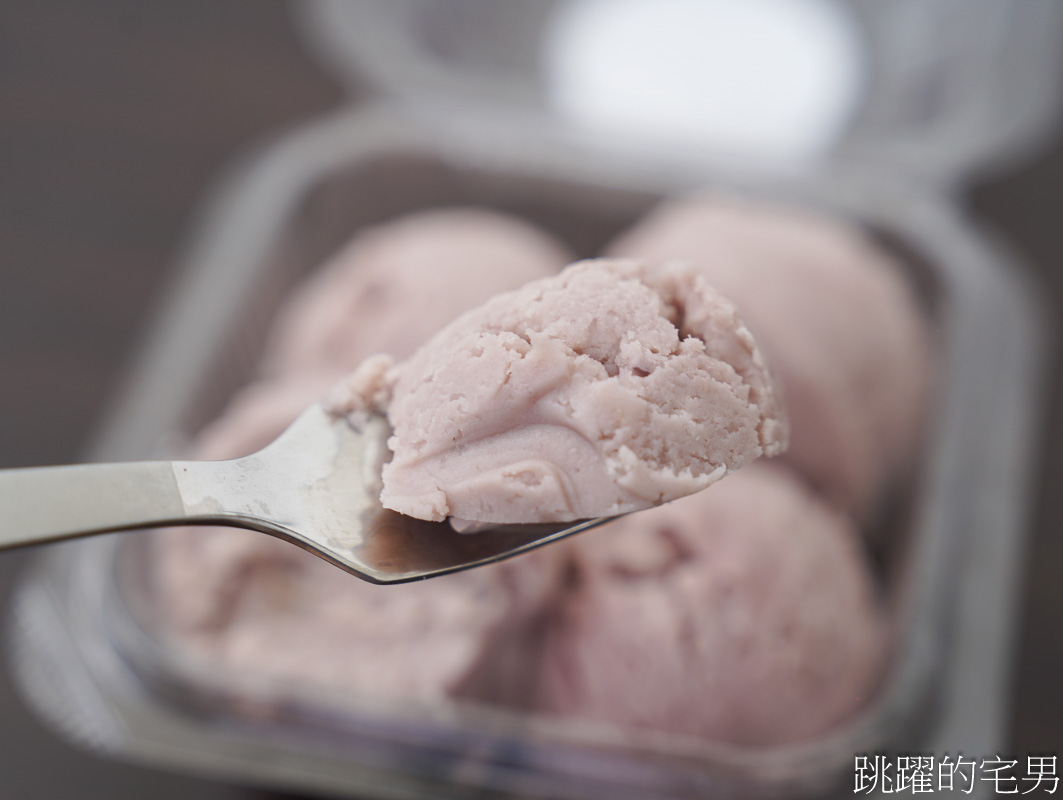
{"x": 746, "y": 613}
{"x": 608, "y": 388}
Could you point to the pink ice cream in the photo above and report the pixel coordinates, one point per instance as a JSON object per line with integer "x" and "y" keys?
{"x": 743, "y": 614}
{"x": 605, "y": 389}
{"x": 396, "y": 284}
{"x": 835, "y": 317}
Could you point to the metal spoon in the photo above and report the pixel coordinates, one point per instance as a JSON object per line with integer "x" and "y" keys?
{"x": 316, "y": 486}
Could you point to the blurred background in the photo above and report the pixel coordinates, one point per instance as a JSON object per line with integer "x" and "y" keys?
{"x": 117, "y": 117}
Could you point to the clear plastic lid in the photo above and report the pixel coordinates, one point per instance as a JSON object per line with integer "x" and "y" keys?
{"x": 935, "y": 88}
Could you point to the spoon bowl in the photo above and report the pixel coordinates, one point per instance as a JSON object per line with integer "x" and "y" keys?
{"x": 317, "y": 486}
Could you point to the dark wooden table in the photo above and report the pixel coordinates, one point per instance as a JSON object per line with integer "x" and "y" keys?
{"x": 115, "y": 116}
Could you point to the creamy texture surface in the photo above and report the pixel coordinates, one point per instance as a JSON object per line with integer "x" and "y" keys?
{"x": 835, "y": 317}
{"x": 744, "y": 613}
{"x": 605, "y": 389}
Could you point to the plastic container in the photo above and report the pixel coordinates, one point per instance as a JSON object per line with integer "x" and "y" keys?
{"x": 88, "y": 665}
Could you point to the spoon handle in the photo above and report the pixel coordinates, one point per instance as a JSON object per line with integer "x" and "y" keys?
{"x": 47, "y": 504}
